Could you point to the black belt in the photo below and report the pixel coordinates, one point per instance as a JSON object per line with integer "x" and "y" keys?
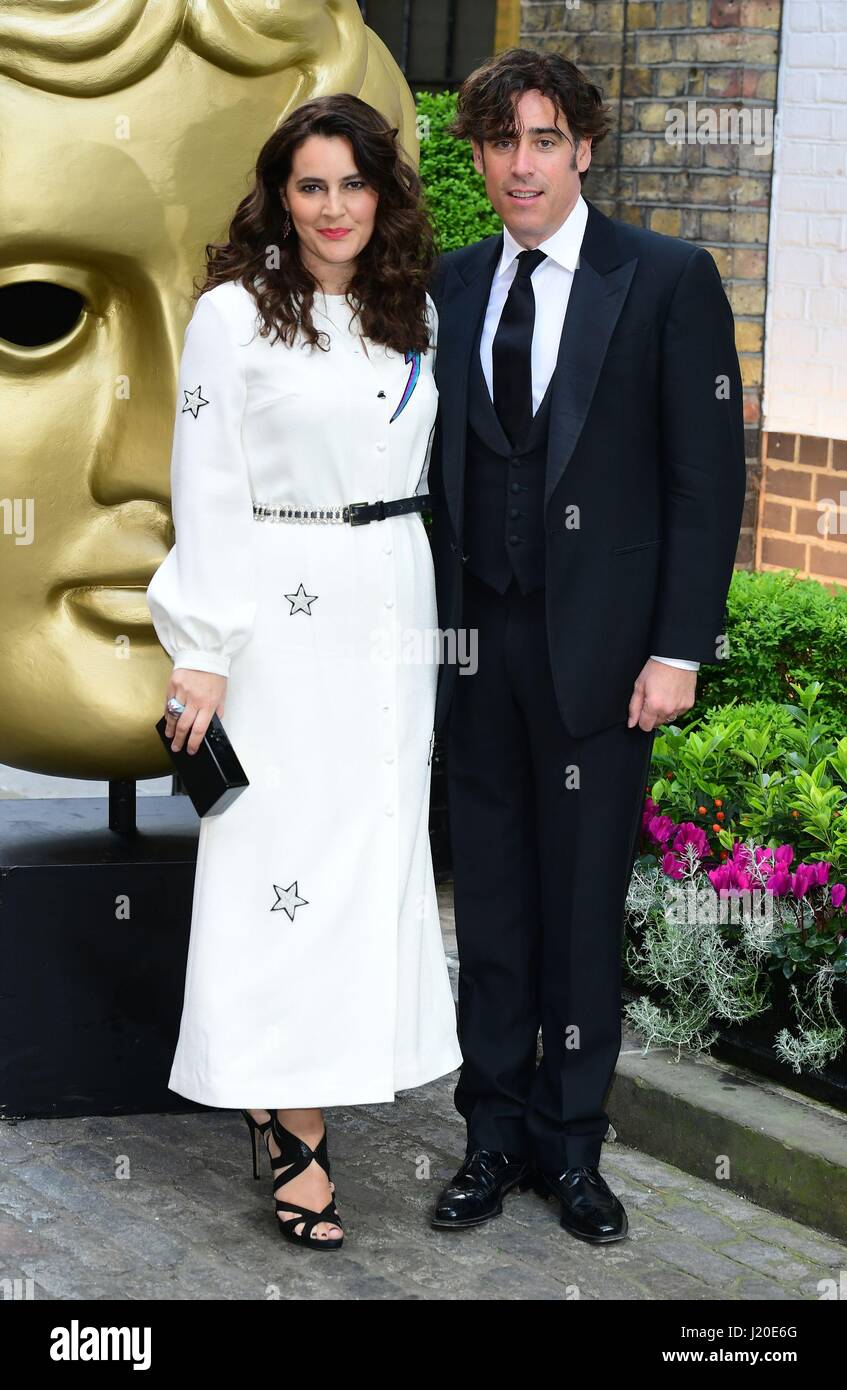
{"x": 360, "y": 513}
{"x": 356, "y": 513}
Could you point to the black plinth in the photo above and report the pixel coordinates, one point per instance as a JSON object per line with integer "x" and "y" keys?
{"x": 94, "y": 929}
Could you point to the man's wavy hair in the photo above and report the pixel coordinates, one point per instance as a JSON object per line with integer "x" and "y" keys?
{"x": 485, "y": 105}
{"x": 388, "y": 288}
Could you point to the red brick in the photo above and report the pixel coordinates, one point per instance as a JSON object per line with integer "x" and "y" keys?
{"x": 788, "y": 482}
{"x": 813, "y": 450}
{"x": 780, "y": 446}
{"x": 776, "y": 516}
{"x": 810, "y": 521}
{"x": 786, "y": 555}
{"x": 725, "y": 14}
{"x": 830, "y": 563}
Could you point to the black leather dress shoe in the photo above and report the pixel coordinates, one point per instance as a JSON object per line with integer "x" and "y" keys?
{"x": 476, "y": 1192}
{"x": 590, "y": 1210}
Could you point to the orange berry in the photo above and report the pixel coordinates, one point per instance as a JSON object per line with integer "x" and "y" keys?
{"x": 701, "y": 810}
{"x": 721, "y": 815}
{"x": 716, "y": 828}
{"x": 718, "y": 801}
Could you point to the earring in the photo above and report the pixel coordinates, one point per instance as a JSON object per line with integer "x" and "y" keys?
{"x": 286, "y": 224}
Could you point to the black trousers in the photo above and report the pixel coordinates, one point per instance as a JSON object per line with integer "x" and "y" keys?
{"x": 544, "y": 830}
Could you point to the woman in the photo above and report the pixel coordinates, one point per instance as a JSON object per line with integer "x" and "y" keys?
{"x": 316, "y": 973}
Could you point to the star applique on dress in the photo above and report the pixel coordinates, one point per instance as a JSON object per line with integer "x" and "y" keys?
{"x": 301, "y": 602}
{"x": 288, "y": 899}
{"x": 193, "y": 401}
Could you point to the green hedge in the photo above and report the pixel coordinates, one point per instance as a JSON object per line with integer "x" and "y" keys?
{"x": 780, "y": 629}
{"x": 455, "y": 193}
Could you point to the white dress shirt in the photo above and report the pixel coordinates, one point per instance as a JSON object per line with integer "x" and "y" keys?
{"x": 551, "y": 286}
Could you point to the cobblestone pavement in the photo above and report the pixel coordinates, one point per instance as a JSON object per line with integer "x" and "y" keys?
{"x": 165, "y": 1207}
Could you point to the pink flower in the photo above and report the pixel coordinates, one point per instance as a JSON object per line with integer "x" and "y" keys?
{"x": 672, "y": 866}
{"x": 729, "y": 877}
{"x": 742, "y": 857}
{"x": 804, "y": 879}
{"x": 838, "y": 892}
{"x": 784, "y": 856}
{"x": 720, "y": 878}
{"x": 661, "y": 828}
{"x": 779, "y": 883}
{"x": 690, "y": 834}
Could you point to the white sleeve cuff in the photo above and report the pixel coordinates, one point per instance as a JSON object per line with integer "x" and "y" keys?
{"x": 677, "y": 661}
{"x": 214, "y": 662}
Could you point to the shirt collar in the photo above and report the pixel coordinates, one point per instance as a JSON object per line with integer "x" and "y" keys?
{"x": 562, "y": 247}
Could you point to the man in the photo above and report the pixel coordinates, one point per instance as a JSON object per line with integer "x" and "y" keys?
{"x": 588, "y": 478}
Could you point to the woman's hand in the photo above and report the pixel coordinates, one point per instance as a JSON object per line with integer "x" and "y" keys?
{"x": 203, "y": 695}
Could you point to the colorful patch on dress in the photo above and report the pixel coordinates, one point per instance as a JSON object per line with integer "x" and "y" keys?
{"x": 415, "y": 359}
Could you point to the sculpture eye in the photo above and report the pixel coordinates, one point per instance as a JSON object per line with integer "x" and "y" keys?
{"x": 34, "y": 313}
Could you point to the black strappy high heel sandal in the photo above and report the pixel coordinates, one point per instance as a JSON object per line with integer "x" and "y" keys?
{"x": 295, "y": 1157}
{"x": 258, "y": 1129}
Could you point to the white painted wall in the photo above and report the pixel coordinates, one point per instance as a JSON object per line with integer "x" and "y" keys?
{"x": 806, "y": 327}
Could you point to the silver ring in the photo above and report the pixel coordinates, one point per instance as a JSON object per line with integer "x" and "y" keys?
{"x": 174, "y": 706}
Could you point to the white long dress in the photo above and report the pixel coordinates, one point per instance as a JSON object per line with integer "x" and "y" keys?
{"x": 316, "y": 972}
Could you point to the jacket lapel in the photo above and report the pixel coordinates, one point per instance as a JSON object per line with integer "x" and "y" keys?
{"x": 600, "y": 286}
{"x": 463, "y": 300}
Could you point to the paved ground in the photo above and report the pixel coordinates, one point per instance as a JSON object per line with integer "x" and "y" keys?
{"x": 165, "y": 1207}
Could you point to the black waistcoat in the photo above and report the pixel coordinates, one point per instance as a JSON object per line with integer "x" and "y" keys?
{"x": 504, "y": 490}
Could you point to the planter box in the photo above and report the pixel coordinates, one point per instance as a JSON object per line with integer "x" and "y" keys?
{"x": 751, "y": 1044}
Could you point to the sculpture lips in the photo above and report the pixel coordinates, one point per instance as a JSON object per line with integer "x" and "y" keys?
{"x": 116, "y": 605}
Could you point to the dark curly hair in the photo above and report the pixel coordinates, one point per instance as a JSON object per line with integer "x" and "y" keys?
{"x": 485, "y": 105}
{"x": 388, "y": 288}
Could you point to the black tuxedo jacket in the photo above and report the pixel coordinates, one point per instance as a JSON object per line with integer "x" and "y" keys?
{"x": 645, "y": 473}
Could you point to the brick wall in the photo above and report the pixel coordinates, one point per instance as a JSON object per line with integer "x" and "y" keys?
{"x": 803, "y": 506}
{"x": 651, "y": 57}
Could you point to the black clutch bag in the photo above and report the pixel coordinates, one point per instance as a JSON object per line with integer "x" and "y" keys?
{"x": 213, "y": 777}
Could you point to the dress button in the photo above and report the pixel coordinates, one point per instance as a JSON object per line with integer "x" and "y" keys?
{"x": 389, "y": 758}
{"x": 513, "y": 540}
{"x": 386, "y": 707}
{"x": 389, "y": 810}
{"x": 380, "y": 395}
{"x": 515, "y": 487}
{"x": 389, "y": 603}
{"x": 513, "y": 512}
{"x": 388, "y": 550}
{"x": 516, "y": 463}
{"x": 381, "y": 448}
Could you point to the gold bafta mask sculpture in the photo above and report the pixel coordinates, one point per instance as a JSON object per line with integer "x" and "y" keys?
{"x": 131, "y": 128}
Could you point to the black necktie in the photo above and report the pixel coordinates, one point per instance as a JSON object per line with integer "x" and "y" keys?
{"x": 511, "y": 351}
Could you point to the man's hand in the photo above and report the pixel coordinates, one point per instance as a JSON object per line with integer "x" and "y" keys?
{"x": 660, "y": 693}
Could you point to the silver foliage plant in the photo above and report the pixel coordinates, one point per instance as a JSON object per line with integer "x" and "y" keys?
{"x": 703, "y": 977}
